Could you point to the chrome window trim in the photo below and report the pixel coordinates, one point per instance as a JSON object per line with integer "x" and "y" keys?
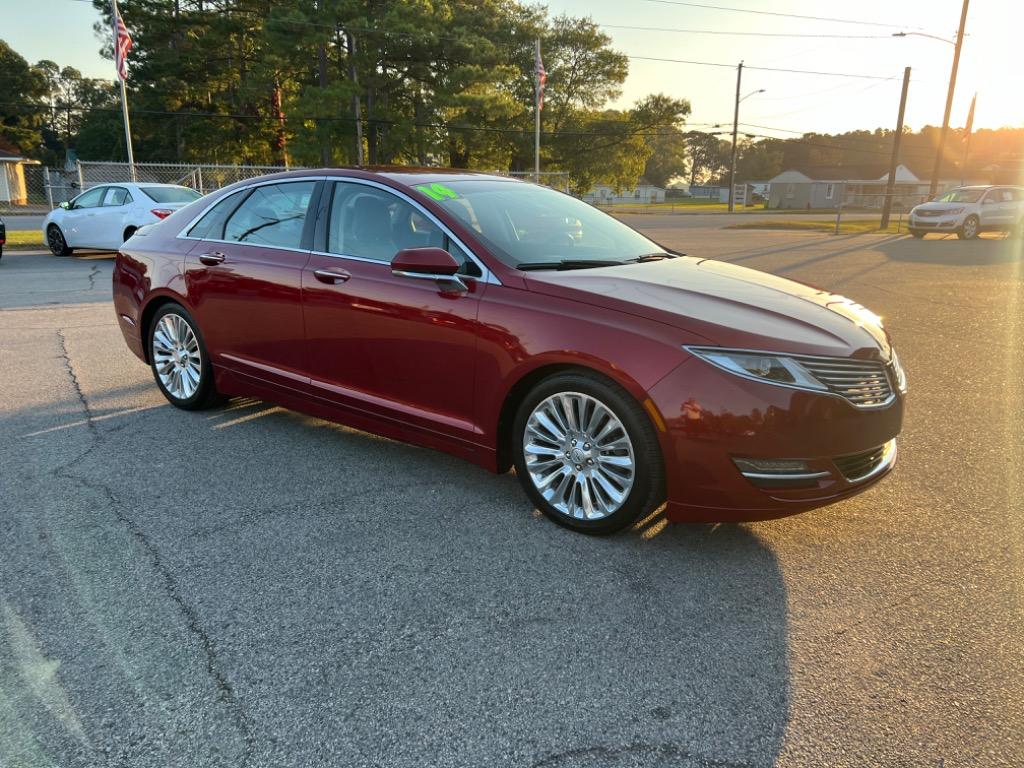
{"x": 486, "y": 275}
{"x": 887, "y": 364}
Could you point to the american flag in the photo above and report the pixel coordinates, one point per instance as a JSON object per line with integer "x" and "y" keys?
{"x": 542, "y": 78}
{"x": 122, "y": 44}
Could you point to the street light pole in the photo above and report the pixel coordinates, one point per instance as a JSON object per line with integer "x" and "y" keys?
{"x": 937, "y": 169}
{"x": 735, "y": 127}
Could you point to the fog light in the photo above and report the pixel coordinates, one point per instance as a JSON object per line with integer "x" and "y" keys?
{"x": 771, "y": 466}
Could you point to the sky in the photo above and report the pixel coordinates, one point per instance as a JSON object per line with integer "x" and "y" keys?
{"x": 792, "y": 103}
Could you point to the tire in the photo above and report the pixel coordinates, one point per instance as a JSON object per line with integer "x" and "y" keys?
{"x": 55, "y": 239}
{"x": 129, "y": 232}
{"x": 916, "y": 233}
{"x": 969, "y": 229}
{"x": 186, "y": 382}
{"x": 544, "y": 457}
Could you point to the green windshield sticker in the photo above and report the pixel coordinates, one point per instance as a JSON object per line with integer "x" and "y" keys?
{"x": 438, "y": 192}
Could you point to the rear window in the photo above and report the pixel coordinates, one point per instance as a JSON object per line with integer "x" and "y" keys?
{"x": 171, "y": 194}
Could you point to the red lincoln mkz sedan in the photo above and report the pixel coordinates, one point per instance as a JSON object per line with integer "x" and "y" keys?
{"x": 513, "y": 325}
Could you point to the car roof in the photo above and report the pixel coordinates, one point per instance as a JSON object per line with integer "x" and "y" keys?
{"x": 397, "y": 174}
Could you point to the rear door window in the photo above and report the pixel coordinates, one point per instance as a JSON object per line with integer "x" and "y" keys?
{"x": 211, "y": 225}
{"x": 272, "y": 215}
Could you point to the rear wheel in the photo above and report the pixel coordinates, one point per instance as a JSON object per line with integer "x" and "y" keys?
{"x": 969, "y": 229}
{"x": 586, "y": 453}
{"x": 55, "y": 239}
{"x": 180, "y": 362}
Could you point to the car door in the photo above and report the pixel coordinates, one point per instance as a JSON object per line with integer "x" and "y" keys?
{"x": 244, "y": 279}
{"x": 393, "y": 346}
{"x": 80, "y": 223}
{"x": 117, "y": 202}
{"x": 994, "y": 208}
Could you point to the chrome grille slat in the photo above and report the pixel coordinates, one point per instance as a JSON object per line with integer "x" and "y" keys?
{"x": 864, "y": 383}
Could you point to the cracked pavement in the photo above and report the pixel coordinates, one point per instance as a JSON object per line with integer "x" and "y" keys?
{"x": 252, "y": 587}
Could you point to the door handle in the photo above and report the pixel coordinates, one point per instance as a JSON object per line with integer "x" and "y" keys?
{"x": 212, "y": 258}
{"x": 331, "y": 276}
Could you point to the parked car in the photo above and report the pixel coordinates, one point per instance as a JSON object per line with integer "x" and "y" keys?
{"x": 104, "y": 217}
{"x": 513, "y": 325}
{"x": 968, "y": 211}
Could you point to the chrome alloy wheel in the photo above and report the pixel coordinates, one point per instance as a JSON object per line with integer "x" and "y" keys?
{"x": 970, "y": 227}
{"x": 579, "y": 456}
{"x": 176, "y": 356}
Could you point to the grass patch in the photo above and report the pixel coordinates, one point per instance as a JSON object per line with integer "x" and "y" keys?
{"x": 845, "y": 227}
{"x": 24, "y": 238}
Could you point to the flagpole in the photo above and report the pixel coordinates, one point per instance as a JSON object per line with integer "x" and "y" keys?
{"x": 124, "y": 100}
{"x": 536, "y": 115}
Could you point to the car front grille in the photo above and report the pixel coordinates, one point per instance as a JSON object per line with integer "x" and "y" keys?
{"x": 928, "y": 214}
{"x": 860, "y": 466}
{"x": 865, "y": 383}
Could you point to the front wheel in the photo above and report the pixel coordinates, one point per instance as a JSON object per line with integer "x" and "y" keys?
{"x": 180, "y": 362}
{"x": 969, "y": 229}
{"x": 916, "y": 233}
{"x": 55, "y": 239}
{"x": 587, "y": 454}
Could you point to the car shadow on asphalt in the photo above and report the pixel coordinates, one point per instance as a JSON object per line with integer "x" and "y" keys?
{"x": 989, "y": 249}
{"x": 668, "y": 642}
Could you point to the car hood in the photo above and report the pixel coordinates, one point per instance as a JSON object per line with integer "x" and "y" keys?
{"x": 941, "y": 207}
{"x": 727, "y": 305}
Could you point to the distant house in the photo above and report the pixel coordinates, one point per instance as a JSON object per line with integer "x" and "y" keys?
{"x": 603, "y": 194}
{"x": 710, "y": 192}
{"x": 853, "y": 186}
{"x": 12, "y": 174}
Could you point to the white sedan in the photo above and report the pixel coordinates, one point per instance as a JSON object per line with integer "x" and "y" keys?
{"x": 103, "y": 217}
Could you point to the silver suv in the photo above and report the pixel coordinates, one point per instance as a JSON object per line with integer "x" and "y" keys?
{"x": 970, "y": 210}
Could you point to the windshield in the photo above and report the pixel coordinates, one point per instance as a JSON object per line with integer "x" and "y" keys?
{"x": 962, "y": 196}
{"x": 526, "y": 224}
{"x": 171, "y": 194}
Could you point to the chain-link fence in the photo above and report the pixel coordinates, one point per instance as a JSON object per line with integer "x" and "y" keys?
{"x": 46, "y": 188}
{"x": 555, "y": 179}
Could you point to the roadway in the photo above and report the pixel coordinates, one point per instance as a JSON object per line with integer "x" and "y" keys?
{"x": 252, "y": 587}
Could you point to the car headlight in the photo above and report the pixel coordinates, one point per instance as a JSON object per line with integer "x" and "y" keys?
{"x": 901, "y": 375}
{"x": 760, "y": 366}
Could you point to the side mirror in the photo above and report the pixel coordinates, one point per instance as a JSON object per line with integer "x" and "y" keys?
{"x": 428, "y": 264}
{"x": 988, "y": 201}
{"x": 65, "y": 205}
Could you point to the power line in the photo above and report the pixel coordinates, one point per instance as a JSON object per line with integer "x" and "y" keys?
{"x": 832, "y": 19}
{"x": 742, "y": 34}
{"x": 763, "y": 69}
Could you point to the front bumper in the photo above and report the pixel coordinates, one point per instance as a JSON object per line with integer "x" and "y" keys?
{"x": 935, "y": 223}
{"x": 712, "y": 419}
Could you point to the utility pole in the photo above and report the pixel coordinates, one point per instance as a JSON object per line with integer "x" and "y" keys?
{"x": 735, "y": 127}
{"x": 937, "y": 169}
{"x": 356, "y": 107}
{"x": 967, "y": 141}
{"x": 322, "y": 127}
{"x": 890, "y": 184}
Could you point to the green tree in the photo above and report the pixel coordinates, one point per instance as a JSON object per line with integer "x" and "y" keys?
{"x": 23, "y": 89}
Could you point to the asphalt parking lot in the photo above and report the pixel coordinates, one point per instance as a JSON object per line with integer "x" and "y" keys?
{"x": 252, "y": 587}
